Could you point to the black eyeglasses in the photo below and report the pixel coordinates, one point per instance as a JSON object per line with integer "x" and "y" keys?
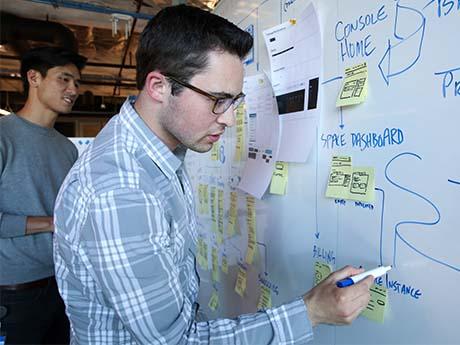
{"x": 221, "y": 104}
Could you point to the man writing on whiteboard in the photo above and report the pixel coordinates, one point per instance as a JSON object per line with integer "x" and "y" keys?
{"x": 125, "y": 237}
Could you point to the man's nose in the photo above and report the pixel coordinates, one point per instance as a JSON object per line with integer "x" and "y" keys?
{"x": 73, "y": 87}
{"x": 227, "y": 118}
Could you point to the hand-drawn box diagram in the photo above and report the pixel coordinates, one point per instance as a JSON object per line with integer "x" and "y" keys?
{"x": 360, "y": 181}
{"x": 353, "y": 88}
{"x": 339, "y": 178}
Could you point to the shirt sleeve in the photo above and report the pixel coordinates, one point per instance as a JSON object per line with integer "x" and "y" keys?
{"x": 131, "y": 253}
{"x": 12, "y": 225}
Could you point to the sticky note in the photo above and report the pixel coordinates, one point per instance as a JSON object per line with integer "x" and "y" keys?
{"x": 215, "y": 265}
{"x": 202, "y": 254}
{"x": 240, "y": 111}
{"x": 241, "y": 279}
{"x": 220, "y": 216}
{"x": 265, "y": 299}
{"x": 215, "y": 152}
{"x": 214, "y": 301}
{"x": 322, "y": 270}
{"x": 348, "y": 182}
{"x": 200, "y": 198}
{"x": 279, "y": 179}
{"x": 205, "y": 199}
{"x": 362, "y": 187}
{"x": 340, "y": 177}
{"x": 375, "y": 309}
{"x": 251, "y": 222}
{"x": 203, "y": 207}
{"x": 354, "y": 88}
{"x": 213, "y": 200}
{"x": 224, "y": 264}
{"x": 233, "y": 215}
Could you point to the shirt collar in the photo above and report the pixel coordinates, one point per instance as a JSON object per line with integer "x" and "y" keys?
{"x": 169, "y": 162}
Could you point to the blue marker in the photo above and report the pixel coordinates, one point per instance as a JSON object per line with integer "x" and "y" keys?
{"x": 376, "y": 272}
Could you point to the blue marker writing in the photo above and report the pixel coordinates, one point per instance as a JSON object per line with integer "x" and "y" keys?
{"x": 376, "y": 272}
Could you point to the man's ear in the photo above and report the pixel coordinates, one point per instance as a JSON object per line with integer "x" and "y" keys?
{"x": 34, "y": 78}
{"x": 157, "y": 86}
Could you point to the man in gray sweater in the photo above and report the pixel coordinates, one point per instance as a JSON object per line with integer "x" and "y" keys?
{"x": 34, "y": 159}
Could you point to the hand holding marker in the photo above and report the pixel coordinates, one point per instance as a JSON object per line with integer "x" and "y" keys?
{"x": 376, "y": 272}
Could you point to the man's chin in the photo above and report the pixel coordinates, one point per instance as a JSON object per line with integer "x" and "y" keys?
{"x": 65, "y": 110}
{"x": 203, "y": 148}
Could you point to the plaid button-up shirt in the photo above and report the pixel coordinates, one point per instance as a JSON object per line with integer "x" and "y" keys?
{"x": 124, "y": 249}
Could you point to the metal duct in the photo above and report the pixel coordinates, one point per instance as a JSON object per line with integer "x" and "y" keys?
{"x": 18, "y": 31}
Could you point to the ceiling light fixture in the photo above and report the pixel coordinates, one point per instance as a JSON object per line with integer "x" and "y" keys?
{"x": 118, "y": 17}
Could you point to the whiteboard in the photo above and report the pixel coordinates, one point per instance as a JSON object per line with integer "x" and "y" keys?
{"x": 407, "y": 129}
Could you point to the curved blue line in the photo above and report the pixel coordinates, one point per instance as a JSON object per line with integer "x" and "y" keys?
{"x": 397, "y": 226}
{"x": 332, "y": 79}
{"x": 452, "y": 181}
{"x": 422, "y": 26}
{"x": 428, "y": 4}
{"x": 388, "y": 75}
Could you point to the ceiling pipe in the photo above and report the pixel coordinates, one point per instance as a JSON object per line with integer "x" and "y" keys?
{"x": 18, "y": 32}
{"x": 91, "y": 8}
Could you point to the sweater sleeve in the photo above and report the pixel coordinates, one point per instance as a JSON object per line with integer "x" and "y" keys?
{"x": 12, "y": 225}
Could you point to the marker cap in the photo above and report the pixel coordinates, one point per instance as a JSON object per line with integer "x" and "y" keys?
{"x": 345, "y": 282}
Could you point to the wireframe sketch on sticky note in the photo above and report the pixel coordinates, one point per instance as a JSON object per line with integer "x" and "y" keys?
{"x": 339, "y": 178}
{"x": 362, "y": 186}
{"x": 354, "y": 88}
{"x": 348, "y": 182}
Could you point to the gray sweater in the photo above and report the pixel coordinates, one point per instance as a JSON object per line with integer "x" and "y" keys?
{"x": 33, "y": 163}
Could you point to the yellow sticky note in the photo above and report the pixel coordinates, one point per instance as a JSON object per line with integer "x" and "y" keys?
{"x": 252, "y": 234}
{"x": 205, "y": 199}
{"x": 220, "y": 216}
{"x": 339, "y": 178}
{"x": 215, "y": 152}
{"x": 354, "y": 88}
{"x": 362, "y": 187}
{"x": 214, "y": 301}
{"x": 322, "y": 270}
{"x": 200, "y": 198}
{"x": 265, "y": 299}
{"x": 233, "y": 214}
{"x": 203, "y": 254}
{"x": 213, "y": 197}
{"x": 240, "y": 111}
{"x": 348, "y": 182}
{"x": 215, "y": 265}
{"x": 375, "y": 309}
{"x": 241, "y": 280}
{"x": 224, "y": 264}
{"x": 279, "y": 179}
